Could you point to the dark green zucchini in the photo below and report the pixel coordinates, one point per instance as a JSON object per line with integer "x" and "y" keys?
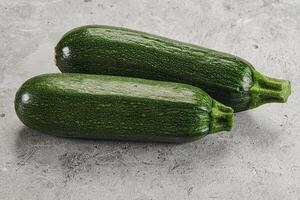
{"x": 98, "y": 49}
{"x": 111, "y": 107}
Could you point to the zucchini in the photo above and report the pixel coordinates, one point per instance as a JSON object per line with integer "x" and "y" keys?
{"x": 121, "y": 108}
{"x": 98, "y": 49}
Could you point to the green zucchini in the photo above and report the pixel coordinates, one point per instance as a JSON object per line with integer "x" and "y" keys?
{"x": 121, "y": 108}
{"x": 99, "y": 49}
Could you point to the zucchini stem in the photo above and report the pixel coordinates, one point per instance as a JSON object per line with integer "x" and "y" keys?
{"x": 268, "y": 90}
{"x": 221, "y": 117}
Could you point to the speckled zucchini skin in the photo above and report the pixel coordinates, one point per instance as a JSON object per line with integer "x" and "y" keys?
{"x": 110, "y": 107}
{"x": 99, "y": 49}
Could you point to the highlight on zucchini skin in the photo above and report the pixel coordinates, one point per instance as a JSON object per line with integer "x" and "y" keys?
{"x": 99, "y": 49}
{"x": 119, "y": 108}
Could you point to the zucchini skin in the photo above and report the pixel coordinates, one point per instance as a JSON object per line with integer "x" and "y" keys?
{"x": 99, "y": 49}
{"x": 118, "y": 108}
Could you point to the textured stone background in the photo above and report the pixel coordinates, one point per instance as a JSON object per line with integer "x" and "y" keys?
{"x": 258, "y": 159}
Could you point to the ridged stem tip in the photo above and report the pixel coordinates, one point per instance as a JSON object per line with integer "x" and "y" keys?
{"x": 221, "y": 117}
{"x": 268, "y": 90}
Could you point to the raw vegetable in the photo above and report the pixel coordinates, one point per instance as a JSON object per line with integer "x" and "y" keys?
{"x": 98, "y": 49}
{"x": 121, "y": 108}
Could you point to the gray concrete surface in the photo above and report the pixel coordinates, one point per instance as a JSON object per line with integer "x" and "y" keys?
{"x": 258, "y": 159}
